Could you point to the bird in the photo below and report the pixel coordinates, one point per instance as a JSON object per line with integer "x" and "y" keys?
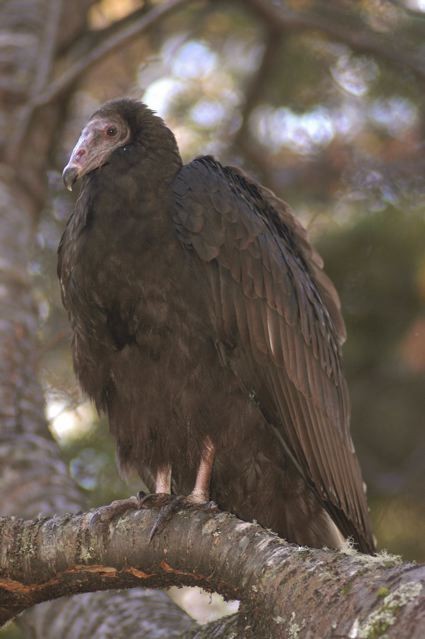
{"x": 205, "y": 328}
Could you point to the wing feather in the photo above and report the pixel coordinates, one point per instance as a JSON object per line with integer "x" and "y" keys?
{"x": 274, "y": 304}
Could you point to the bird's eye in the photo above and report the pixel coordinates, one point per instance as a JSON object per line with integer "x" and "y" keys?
{"x": 111, "y": 131}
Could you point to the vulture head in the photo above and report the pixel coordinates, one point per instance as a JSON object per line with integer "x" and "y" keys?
{"x": 117, "y": 126}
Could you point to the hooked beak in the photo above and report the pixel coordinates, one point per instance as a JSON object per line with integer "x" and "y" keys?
{"x": 94, "y": 148}
{"x": 85, "y": 157}
{"x": 70, "y": 176}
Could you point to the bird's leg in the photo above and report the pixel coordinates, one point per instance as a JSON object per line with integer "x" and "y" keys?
{"x": 201, "y": 491}
{"x": 118, "y": 507}
{"x": 162, "y": 489}
{"x": 199, "y": 497}
{"x": 163, "y": 480}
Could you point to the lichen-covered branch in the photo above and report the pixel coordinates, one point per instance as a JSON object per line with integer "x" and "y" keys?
{"x": 281, "y": 587}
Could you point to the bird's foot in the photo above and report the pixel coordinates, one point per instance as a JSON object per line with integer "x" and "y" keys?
{"x": 171, "y": 504}
{"x": 153, "y": 500}
{"x": 105, "y": 514}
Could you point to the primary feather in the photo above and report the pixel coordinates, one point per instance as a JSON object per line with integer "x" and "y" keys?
{"x": 200, "y": 312}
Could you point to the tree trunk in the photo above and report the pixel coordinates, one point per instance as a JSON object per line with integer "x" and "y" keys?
{"x": 33, "y": 477}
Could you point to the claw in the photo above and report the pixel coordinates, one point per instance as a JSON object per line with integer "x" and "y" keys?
{"x": 165, "y": 514}
{"x": 106, "y": 514}
{"x": 152, "y": 500}
{"x": 210, "y": 506}
{"x": 172, "y": 505}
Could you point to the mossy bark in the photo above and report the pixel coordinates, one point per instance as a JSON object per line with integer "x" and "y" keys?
{"x": 285, "y": 590}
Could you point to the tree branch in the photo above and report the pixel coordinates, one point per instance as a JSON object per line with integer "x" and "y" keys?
{"x": 104, "y": 48}
{"x": 258, "y": 83}
{"x": 42, "y": 73}
{"x": 242, "y": 141}
{"x": 93, "y": 37}
{"x": 280, "y": 586}
{"x": 361, "y": 41}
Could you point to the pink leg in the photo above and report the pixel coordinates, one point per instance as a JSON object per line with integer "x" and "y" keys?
{"x": 199, "y": 496}
{"x": 163, "y": 480}
{"x": 201, "y": 490}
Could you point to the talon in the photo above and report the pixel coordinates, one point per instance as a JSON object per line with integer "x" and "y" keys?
{"x": 211, "y": 506}
{"x": 105, "y": 514}
{"x": 153, "y": 500}
{"x": 166, "y": 513}
{"x": 145, "y": 498}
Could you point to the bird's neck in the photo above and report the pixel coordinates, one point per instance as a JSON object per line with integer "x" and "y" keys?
{"x": 155, "y": 168}
{"x": 134, "y": 177}
{"x": 132, "y": 191}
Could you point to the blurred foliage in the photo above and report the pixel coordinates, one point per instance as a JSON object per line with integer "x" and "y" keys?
{"x": 377, "y": 263}
{"x": 338, "y": 134}
{"x": 11, "y": 631}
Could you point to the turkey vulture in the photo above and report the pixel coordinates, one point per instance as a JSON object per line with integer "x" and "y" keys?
{"x": 205, "y": 328}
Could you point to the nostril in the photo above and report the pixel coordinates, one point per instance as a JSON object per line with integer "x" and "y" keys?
{"x": 80, "y": 154}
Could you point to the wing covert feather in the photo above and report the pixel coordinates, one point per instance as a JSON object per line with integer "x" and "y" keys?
{"x": 274, "y": 304}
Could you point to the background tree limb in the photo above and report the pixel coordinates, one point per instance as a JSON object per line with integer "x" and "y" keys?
{"x": 104, "y": 47}
{"x": 358, "y": 37}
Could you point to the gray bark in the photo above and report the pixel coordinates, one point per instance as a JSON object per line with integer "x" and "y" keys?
{"x": 283, "y": 589}
{"x": 139, "y": 614}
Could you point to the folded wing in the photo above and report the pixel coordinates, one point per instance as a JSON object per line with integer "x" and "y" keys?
{"x": 279, "y": 327}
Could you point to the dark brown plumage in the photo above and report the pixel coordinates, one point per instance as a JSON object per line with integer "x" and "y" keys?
{"x": 204, "y": 326}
